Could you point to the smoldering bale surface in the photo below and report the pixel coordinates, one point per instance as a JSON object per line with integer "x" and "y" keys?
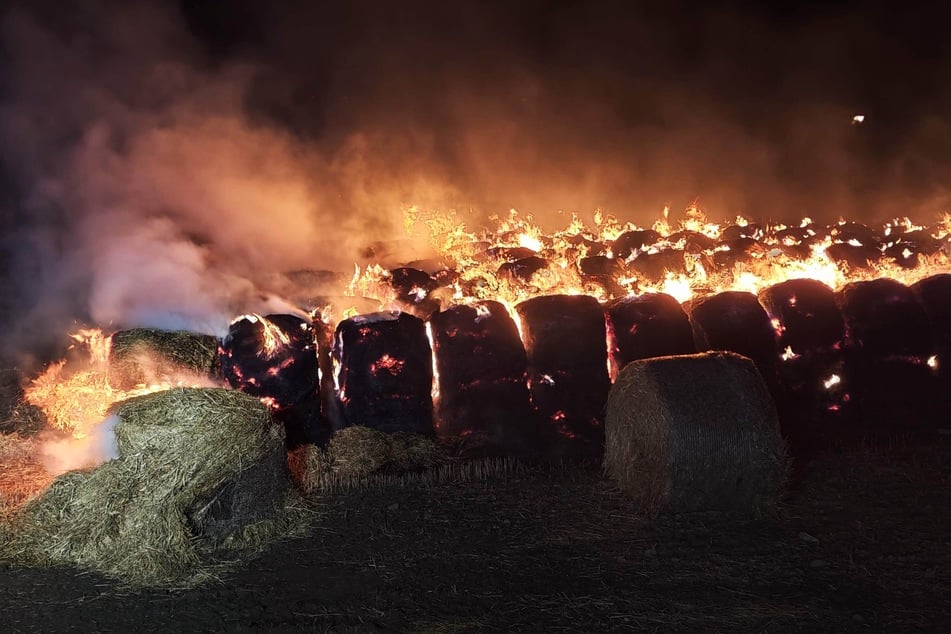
{"x": 862, "y": 546}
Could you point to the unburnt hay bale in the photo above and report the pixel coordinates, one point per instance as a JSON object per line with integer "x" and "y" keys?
{"x": 695, "y": 433}
{"x": 201, "y": 479}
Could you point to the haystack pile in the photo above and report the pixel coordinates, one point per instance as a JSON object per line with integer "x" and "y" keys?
{"x": 695, "y": 433}
{"x": 201, "y": 479}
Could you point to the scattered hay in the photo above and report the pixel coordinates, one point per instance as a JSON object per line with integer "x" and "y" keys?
{"x": 358, "y": 453}
{"x": 200, "y": 481}
{"x": 144, "y": 356}
{"x": 695, "y": 432}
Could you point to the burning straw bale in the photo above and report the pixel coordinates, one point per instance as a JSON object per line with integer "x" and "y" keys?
{"x": 695, "y": 433}
{"x": 200, "y": 480}
{"x": 144, "y": 356}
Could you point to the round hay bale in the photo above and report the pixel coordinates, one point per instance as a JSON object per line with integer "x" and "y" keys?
{"x": 199, "y": 472}
{"x": 359, "y": 451}
{"x": 695, "y": 433}
{"x": 144, "y": 356}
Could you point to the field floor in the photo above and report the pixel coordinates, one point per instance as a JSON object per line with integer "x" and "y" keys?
{"x": 863, "y": 543}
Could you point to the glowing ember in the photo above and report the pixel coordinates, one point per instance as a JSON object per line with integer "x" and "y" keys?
{"x": 832, "y": 381}
{"x": 788, "y": 355}
{"x": 389, "y": 364}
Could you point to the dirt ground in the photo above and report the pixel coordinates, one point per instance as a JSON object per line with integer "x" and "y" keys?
{"x": 862, "y": 544}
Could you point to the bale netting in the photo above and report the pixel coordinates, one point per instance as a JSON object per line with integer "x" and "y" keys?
{"x": 147, "y": 356}
{"x": 200, "y": 482}
{"x": 695, "y": 433}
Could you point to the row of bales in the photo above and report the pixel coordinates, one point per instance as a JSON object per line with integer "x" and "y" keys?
{"x": 872, "y": 356}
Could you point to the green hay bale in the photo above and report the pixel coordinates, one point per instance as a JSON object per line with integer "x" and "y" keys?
{"x": 695, "y": 433}
{"x": 148, "y": 356}
{"x": 201, "y": 481}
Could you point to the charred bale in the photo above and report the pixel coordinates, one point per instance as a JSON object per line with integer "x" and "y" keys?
{"x": 272, "y": 357}
{"x": 565, "y": 340}
{"x": 602, "y": 272}
{"x": 481, "y": 373}
{"x": 384, "y": 373}
{"x": 883, "y": 319}
{"x": 730, "y": 252}
{"x": 145, "y": 356}
{"x": 934, "y": 294}
{"x": 806, "y": 315}
{"x": 856, "y": 232}
{"x": 413, "y": 290}
{"x": 655, "y": 266}
{"x": 811, "y": 333}
{"x": 523, "y": 269}
{"x": 888, "y": 344}
{"x": 649, "y": 325}
{"x": 735, "y": 321}
{"x": 695, "y": 433}
{"x": 854, "y": 256}
{"x": 737, "y": 232}
{"x": 510, "y": 254}
{"x": 694, "y": 241}
{"x": 631, "y": 242}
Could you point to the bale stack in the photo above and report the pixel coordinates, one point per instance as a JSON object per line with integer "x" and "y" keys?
{"x": 888, "y": 344}
{"x": 565, "y": 340}
{"x": 274, "y": 358}
{"x": 481, "y": 366}
{"x": 695, "y": 433}
{"x": 147, "y": 356}
{"x": 200, "y": 479}
{"x": 735, "y": 321}
{"x": 811, "y": 334}
{"x": 646, "y": 326}
{"x": 384, "y": 373}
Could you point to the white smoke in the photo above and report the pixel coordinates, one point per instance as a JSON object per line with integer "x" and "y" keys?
{"x": 93, "y": 449}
